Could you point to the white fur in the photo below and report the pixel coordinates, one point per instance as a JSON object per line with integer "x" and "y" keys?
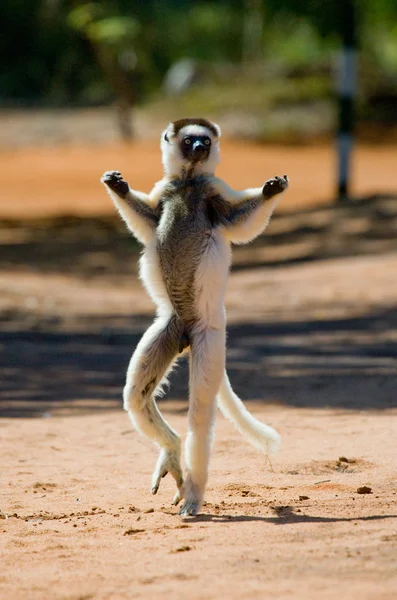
{"x": 196, "y": 130}
{"x": 136, "y": 403}
{"x": 138, "y": 226}
{"x": 152, "y": 279}
{"x": 256, "y": 223}
{"x": 208, "y": 378}
{"x": 260, "y": 435}
{"x": 207, "y": 364}
{"x": 231, "y": 195}
{"x": 210, "y": 281}
{"x": 157, "y": 191}
{"x": 135, "y": 223}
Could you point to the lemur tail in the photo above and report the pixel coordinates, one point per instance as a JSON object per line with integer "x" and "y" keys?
{"x": 260, "y": 435}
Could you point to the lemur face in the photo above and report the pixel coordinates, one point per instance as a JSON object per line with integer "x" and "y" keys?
{"x": 195, "y": 147}
{"x": 190, "y": 143}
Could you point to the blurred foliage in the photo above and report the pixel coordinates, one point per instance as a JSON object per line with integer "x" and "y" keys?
{"x": 116, "y": 31}
{"x": 112, "y": 38}
{"x": 74, "y": 52}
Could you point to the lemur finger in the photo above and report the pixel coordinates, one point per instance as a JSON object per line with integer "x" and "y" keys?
{"x": 156, "y": 483}
{"x": 177, "y": 498}
{"x": 274, "y": 186}
{"x": 159, "y": 476}
{"x": 115, "y": 181}
{"x": 111, "y": 174}
{"x": 282, "y": 181}
{"x": 156, "y": 479}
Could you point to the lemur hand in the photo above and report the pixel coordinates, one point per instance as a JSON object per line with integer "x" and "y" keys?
{"x": 274, "y": 186}
{"x": 114, "y": 180}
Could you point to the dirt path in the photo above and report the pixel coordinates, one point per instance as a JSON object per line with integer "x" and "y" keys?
{"x": 65, "y": 180}
{"x": 79, "y": 521}
{"x": 315, "y": 347}
{"x": 312, "y": 346}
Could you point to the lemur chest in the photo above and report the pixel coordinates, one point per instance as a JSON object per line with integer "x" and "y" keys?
{"x": 182, "y": 234}
{"x": 190, "y": 205}
{"x": 184, "y": 218}
{"x": 187, "y": 246}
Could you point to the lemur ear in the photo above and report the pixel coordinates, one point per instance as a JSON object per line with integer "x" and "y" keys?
{"x": 218, "y": 130}
{"x": 169, "y": 132}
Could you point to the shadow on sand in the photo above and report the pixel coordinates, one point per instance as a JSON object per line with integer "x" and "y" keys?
{"x": 343, "y": 363}
{"x": 91, "y": 246}
{"x": 284, "y": 516}
{"x": 347, "y": 363}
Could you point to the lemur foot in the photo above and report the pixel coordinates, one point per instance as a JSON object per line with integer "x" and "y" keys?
{"x": 115, "y": 181}
{"x": 275, "y": 186}
{"x": 168, "y": 462}
{"x": 193, "y": 497}
{"x": 190, "y": 508}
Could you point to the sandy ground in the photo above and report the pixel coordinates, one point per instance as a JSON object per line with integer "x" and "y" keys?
{"x": 314, "y": 351}
{"x": 311, "y": 347}
{"x": 65, "y": 179}
{"x": 79, "y": 521}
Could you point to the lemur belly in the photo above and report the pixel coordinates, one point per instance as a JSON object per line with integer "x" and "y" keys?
{"x": 210, "y": 282}
{"x": 193, "y": 260}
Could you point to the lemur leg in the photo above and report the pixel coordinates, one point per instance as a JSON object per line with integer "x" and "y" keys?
{"x": 207, "y": 363}
{"x": 147, "y": 370}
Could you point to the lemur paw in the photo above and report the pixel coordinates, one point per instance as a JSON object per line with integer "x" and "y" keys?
{"x": 115, "y": 181}
{"x": 275, "y": 186}
{"x": 190, "y": 508}
{"x": 168, "y": 462}
{"x": 193, "y": 498}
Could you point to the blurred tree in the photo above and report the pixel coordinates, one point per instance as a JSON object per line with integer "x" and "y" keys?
{"x": 41, "y": 59}
{"x": 112, "y": 37}
{"x": 68, "y": 52}
{"x": 253, "y": 31}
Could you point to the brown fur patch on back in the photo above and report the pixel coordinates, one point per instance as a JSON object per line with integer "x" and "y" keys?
{"x": 178, "y": 125}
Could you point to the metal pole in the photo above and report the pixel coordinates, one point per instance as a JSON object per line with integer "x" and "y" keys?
{"x": 346, "y": 95}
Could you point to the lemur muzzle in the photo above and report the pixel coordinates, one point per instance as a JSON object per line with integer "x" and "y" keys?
{"x": 199, "y": 150}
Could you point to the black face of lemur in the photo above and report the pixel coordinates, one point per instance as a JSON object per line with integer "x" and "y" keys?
{"x": 195, "y": 147}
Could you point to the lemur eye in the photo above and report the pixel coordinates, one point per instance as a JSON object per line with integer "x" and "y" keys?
{"x": 207, "y": 142}
{"x": 187, "y": 141}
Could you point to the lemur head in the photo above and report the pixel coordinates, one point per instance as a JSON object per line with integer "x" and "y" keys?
{"x": 190, "y": 143}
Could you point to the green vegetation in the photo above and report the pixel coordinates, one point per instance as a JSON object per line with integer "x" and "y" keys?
{"x": 260, "y": 56}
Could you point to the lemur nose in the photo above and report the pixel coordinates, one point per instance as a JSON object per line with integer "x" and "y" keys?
{"x": 199, "y": 149}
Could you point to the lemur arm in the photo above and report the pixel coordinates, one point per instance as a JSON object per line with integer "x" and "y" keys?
{"x": 139, "y": 211}
{"x": 248, "y": 212}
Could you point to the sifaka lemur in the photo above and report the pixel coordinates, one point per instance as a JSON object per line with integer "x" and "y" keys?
{"x": 187, "y": 224}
